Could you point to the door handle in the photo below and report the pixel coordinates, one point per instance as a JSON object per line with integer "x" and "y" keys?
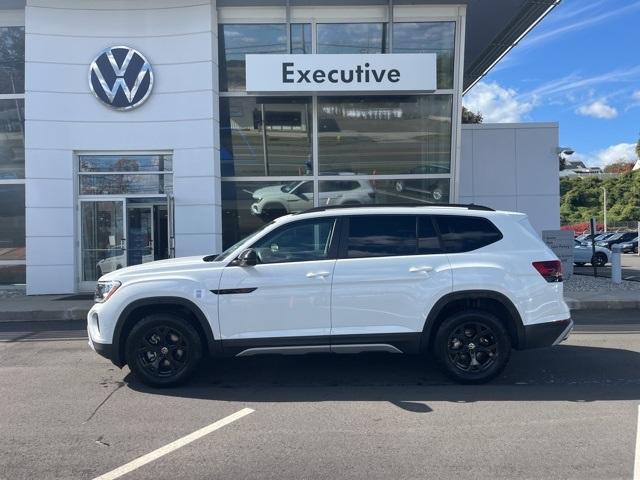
{"x": 317, "y": 274}
{"x": 420, "y": 269}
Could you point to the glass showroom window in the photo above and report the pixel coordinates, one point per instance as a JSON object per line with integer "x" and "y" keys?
{"x": 429, "y": 37}
{"x": 384, "y": 135}
{"x": 125, "y": 174}
{"x": 265, "y": 136}
{"x": 352, "y": 38}
{"x": 12, "y": 188}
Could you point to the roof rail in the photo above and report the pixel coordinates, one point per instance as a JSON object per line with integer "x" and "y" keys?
{"x": 468, "y": 206}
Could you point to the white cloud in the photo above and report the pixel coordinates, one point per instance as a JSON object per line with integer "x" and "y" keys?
{"x": 496, "y": 103}
{"x": 636, "y": 95}
{"x": 597, "y": 109}
{"x": 621, "y": 152}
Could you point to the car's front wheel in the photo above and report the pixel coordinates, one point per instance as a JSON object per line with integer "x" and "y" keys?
{"x": 472, "y": 346}
{"x": 163, "y": 350}
{"x": 599, "y": 260}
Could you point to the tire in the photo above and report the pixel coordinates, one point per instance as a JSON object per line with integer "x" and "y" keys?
{"x": 472, "y": 335}
{"x": 173, "y": 357}
{"x": 599, "y": 260}
{"x": 579, "y": 264}
{"x": 399, "y": 186}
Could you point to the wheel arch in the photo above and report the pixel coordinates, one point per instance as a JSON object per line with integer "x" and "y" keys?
{"x": 488, "y": 300}
{"x": 142, "y": 307}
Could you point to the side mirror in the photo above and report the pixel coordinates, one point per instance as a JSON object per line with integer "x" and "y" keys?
{"x": 248, "y": 258}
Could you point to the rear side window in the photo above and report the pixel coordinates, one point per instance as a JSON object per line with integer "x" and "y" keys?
{"x": 463, "y": 234}
{"x": 381, "y": 236}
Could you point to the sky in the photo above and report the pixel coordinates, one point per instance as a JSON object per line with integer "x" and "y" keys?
{"x": 580, "y": 67}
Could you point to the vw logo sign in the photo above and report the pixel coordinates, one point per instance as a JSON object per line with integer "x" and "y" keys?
{"x": 121, "y": 77}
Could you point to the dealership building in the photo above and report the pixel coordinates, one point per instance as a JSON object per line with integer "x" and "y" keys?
{"x": 137, "y": 130}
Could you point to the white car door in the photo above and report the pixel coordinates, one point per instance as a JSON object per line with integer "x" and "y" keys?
{"x": 387, "y": 278}
{"x": 287, "y": 294}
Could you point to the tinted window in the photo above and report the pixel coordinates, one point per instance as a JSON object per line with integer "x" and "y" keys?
{"x": 463, "y": 234}
{"x": 428, "y": 241}
{"x": 381, "y": 236}
{"x": 299, "y": 242}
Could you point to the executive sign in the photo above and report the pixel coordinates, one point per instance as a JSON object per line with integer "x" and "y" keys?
{"x": 121, "y": 77}
{"x": 335, "y": 73}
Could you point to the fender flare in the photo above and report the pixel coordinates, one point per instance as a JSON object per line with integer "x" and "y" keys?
{"x": 474, "y": 295}
{"x": 213, "y": 345}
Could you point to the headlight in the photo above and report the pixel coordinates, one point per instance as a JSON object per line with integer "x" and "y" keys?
{"x": 105, "y": 289}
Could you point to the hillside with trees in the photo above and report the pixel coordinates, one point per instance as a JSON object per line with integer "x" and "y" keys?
{"x": 582, "y": 198}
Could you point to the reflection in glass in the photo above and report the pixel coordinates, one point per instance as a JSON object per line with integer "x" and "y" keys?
{"x": 125, "y": 163}
{"x": 11, "y": 60}
{"x": 429, "y": 37}
{"x": 125, "y": 184}
{"x": 12, "y": 223}
{"x": 352, "y": 38}
{"x": 384, "y": 134}
{"x": 235, "y": 41}
{"x": 301, "y": 38}
{"x": 13, "y": 274}
{"x": 265, "y": 136}
{"x": 300, "y": 242}
{"x": 102, "y": 238}
{"x": 139, "y": 235}
{"x": 246, "y": 206}
{"x": 406, "y": 191}
{"x": 11, "y": 139}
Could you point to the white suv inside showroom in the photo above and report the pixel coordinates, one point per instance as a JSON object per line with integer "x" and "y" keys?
{"x": 464, "y": 283}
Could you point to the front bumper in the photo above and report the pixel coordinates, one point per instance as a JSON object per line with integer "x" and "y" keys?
{"x": 547, "y": 334}
{"x": 103, "y": 349}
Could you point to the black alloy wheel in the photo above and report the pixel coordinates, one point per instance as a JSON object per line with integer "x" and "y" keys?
{"x": 163, "y": 350}
{"x": 599, "y": 260}
{"x": 472, "y": 346}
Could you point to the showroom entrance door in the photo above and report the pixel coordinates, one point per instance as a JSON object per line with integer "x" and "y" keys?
{"x": 120, "y": 232}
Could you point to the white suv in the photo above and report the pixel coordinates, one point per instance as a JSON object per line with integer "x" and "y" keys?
{"x": 465, "y": 283}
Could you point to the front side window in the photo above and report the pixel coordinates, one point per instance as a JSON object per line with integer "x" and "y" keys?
{"x": 381, "y": 236}
{"x": 300, "y": 242}
{"x": 463, "y": 234}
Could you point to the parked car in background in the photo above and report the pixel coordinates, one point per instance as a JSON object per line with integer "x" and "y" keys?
{"x": 630, "y": 246}
{"x": 583, "y": 254}
{"x": 587, "y": 236}
{"x": 277, "y": 200}
{"x": 615, "y": 239}
{"x": 598, "y": 238}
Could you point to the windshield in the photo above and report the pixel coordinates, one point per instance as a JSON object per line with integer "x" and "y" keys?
{"x": 224, "y": 255}
{"x": 287, "y": 187}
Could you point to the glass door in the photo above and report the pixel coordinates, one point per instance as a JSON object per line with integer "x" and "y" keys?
{"x": 103, "y": 246}
{"x": 140, "y": 234}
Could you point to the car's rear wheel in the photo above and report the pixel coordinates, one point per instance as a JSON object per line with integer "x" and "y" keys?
{"x": 163, "y": 350}
{"x": 472, "y": 346}
{"x": 599, "y": 260}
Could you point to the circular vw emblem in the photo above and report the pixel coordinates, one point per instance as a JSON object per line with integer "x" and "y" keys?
{"x": 121, "y": 77}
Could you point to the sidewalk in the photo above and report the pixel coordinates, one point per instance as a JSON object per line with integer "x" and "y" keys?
{"x": 581, "y": 293}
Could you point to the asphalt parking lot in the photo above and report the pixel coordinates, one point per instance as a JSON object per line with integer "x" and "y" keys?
{"x": 630, "y": 263}
{"x": 564, "y": 412}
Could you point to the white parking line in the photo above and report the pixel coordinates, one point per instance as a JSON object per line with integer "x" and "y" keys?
{"x": 181, "y": 442}
{"x": 636, "y": 466}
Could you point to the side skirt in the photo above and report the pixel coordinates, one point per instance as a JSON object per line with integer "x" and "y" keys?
{"x": 393, "y": 343}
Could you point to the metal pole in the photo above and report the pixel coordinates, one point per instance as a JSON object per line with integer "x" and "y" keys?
{"x": 605, "y": 209}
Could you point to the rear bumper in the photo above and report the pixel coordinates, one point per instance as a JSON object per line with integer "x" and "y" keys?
{"x": 547, "y": 334}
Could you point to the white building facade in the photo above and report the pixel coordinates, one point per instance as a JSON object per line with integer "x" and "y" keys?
{"x": 181, "y": 159}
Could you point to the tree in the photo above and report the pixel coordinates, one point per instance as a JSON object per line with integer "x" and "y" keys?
{"x": 637, "y": 144}
{"x": 619, "y": 167}
{"x": 473, "y": 117}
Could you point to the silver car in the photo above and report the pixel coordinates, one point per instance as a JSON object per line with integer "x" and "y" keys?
{"x": 583, "y": 254}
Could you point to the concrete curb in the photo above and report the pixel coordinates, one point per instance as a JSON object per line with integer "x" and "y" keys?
{"x": 73, "y": 313}
{"x": 602, "y": 304}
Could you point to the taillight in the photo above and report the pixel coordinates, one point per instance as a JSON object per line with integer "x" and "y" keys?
{"x": 551, "y": 270}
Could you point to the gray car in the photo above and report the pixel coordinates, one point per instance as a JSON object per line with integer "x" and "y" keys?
{"x": 583, "y": 254}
